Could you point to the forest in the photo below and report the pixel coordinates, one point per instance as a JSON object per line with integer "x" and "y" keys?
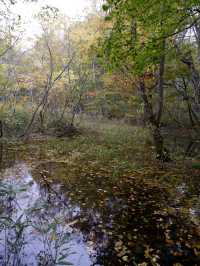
{"x": 100, "y": 133}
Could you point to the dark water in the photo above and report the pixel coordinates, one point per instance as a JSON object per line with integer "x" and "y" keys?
{"x": 50, "y": 218}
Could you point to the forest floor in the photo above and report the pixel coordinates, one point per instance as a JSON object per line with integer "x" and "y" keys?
{"x": 121, "y": 147}
{"x": 133, "y": 208}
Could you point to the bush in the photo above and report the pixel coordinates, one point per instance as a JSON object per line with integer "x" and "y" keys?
{"x": 14, "y": 119}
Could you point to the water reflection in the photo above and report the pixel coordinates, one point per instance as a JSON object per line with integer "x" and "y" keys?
{"x": 131, "y": 220}
{"x": 50, "y": 218}
{"x": 35, "y": 224}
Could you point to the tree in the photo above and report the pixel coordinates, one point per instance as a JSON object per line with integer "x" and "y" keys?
{"x": 138, "y": 41}
{"x": 54, "y": 71}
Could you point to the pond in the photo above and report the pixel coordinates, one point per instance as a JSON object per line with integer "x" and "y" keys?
{"x": 50, "y": 218}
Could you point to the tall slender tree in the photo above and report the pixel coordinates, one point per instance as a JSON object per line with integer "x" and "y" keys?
{"x": 140, "y": 38}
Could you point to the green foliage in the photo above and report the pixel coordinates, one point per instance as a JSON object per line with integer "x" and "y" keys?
{"x": 14, "y": 119}
{"x": 135, "y": 39}
{"x": 196, "y": 165}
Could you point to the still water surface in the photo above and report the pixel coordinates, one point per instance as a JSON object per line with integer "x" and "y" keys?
{"x": 92, "y": 220}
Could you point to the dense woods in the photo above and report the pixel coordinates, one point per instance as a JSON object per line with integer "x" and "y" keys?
{"x": 109, "y": 104}
{"x": 136, "y": 61}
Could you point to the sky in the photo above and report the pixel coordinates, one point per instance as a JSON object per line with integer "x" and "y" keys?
{"x": 74, "y": 9}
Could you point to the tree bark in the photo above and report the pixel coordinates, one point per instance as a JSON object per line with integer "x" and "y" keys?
{"x": 159, "y": 143}
{"x": 161, "y": 152}
{"x": 197, "y": 36}
{"x": 161, "y": 83}
{"x": 1, "y": 129}
{"x": 188, "y": 61}
{"x": 154, "y": 119}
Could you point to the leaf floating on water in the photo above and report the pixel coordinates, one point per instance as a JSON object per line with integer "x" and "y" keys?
{"x": 73, "y": 222}
{"x": 66, "y": 263}
{"x": 196, "y": 252}
{"x": 118, "y": 244}
{"x": 54, "y": 236}
{"x": 125, "y": 258}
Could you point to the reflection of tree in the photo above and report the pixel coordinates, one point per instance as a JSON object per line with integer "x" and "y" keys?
{"x": 12, "y": 227}
{"x": 122, "y": 221}
{"x": 17, "y": 227}
{"x": 131, "y": 222}
{"x": 1, "y": 154}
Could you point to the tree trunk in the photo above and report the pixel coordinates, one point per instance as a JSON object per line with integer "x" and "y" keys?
{"x": 1, "y": 129}
{"x": 41, "y": 114}
{"x": 161, "y": 83}
{"x": 188, "y": 61}
{"x": 197, "y": 36}
{"x": 161, "y": 152}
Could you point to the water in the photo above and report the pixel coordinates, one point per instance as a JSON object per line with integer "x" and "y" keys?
{"x": 48, "y": 217}
{"x": 36, "y": 226}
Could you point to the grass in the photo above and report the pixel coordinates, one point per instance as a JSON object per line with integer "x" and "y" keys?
{"x": 112, "y": 145}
